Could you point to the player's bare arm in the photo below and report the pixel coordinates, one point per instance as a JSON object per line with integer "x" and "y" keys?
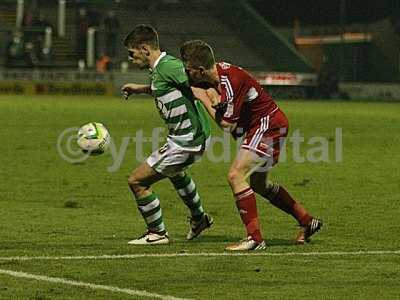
{"x": 207, "y": 101}
{"x": 211, "y": 100}
{"x": 202, "y": 95}
{"x": 134, "y": 88}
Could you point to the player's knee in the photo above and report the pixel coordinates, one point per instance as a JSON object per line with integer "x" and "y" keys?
{"x": 177, "y": 178}
{"x": 234, "y": 176}
{"x": 271, "y": 191}
{"x": 135, "y": 184}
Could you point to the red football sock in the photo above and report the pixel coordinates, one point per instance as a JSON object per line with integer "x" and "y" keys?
{"x": 284, "y": 201}
{"x": 246, "y": 204}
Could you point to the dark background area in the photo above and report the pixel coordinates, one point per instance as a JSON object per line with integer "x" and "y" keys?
{"x": 282, "y": 12}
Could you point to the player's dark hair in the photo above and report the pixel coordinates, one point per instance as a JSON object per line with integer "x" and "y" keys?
{"x": 142, "y": 34}
{"x": 197, "y": 53}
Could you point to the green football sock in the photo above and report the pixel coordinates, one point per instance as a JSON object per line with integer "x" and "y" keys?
{"x": 150, "y": 209}
{"x": 187, "y": 190}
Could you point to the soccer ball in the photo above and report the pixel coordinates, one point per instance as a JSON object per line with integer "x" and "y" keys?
{"x": 93, "y": 138}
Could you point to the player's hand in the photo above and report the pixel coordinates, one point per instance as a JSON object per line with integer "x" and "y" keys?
{"x": 132, "y": 88}
{"x": 220, "y": 108}
{"x": 213, "y": 96}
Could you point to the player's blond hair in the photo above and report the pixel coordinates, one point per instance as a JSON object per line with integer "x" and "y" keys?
{"x": 197, "y": 53}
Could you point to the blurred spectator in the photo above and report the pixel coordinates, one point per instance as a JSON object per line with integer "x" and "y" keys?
{"x": 111, "y": 30}
{"x": 395, "y": 20}
{"x": 296, "y": 28}
{"x": 39, "y": 26}
{"x": 41, "y": 23}
{"x": 396, "y": 26}
{"x": 27, "y": 19}
{"x": 20, "y": 52}
{"x": 94, "y": 18}
{"x": 15, "y": 48}
{"x": 95, "y": 21}
{"x": 103, "y": 64}
{"x": 81, "y": 33}
{"x": 328, "y": 81}
{"x": 30, "y": 55}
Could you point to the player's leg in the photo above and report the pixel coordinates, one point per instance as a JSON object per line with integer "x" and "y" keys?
{"x": 245, "y": 201}
{"x": 278, "y": 196}
{"x": 268, "y": 146}
{"x": 175, "y": 160}
{"x": 176, "y": 164}
{"x": 187, "y": 190}
{"x": 148, "y": 204}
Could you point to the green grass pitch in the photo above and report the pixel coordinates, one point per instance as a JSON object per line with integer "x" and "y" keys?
{"x": 49, "y": 207}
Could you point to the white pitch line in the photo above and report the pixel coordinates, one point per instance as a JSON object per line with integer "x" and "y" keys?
{"x": 92, "y": 286}
{"x": 201, "y": 254}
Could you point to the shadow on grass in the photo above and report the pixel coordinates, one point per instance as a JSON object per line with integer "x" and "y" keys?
{"x": 205, "y": 239}
{"x": 215, "y": 239}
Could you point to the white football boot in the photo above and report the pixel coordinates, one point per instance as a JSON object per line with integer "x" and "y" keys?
{"x": 151, "y": 238}
{"x": 247, "y": 244}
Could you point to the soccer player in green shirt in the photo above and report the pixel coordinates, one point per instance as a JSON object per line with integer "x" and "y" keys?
{"x": 188, "y": 135}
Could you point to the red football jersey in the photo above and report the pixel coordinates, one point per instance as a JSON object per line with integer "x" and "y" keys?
{"x": 247, "y": 101}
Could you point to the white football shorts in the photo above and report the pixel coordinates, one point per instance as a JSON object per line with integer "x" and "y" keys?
{"x": 171, "y": 159}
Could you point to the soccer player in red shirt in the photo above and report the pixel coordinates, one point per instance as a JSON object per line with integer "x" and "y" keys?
{"x": 238, "y": 103}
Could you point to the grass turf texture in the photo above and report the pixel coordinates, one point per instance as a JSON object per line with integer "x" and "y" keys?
{"x": 51, "y": 207}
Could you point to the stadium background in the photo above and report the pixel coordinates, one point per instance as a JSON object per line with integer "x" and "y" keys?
{"x": 301, "y": 50}
{"x": 64, "y": 226}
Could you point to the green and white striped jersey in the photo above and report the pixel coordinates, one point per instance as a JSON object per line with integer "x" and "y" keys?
{"x": 184, "y": 116}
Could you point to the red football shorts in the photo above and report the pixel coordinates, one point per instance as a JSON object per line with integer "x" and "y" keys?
{"x": 267, "y": 138}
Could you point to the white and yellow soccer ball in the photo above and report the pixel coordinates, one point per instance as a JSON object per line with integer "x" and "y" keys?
{"x": 93, "y": 138}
